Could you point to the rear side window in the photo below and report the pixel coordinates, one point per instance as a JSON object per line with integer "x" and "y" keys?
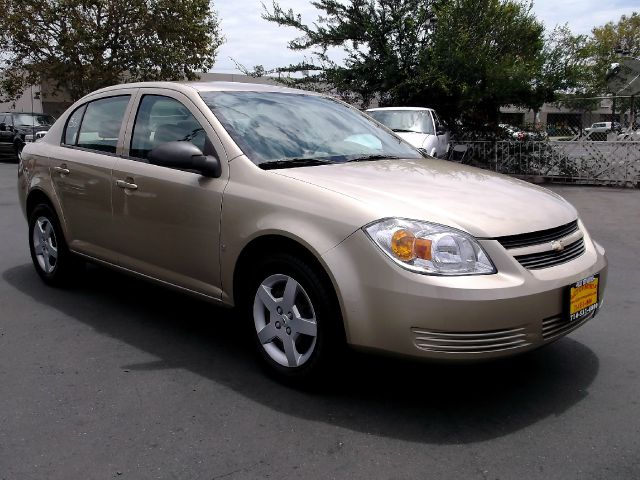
{"x": 100, "y": 124}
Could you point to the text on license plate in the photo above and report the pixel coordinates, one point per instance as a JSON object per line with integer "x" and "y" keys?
{"x": 583, "y": 297}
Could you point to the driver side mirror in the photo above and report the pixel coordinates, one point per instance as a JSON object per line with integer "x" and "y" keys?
{"x": 440, "y": 130}
{"x": 185, "y": 156}
{"x": 3, "y": 127}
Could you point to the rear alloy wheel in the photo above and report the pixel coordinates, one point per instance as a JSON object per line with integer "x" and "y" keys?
{"x": 295, "y": 320}
{"x": 51, "y": 257}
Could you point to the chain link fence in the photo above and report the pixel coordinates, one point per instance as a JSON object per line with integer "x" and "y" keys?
{"x": 593, "y": 141}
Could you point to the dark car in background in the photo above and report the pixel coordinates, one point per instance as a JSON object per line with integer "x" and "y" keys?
{"x": 19, "y": 128}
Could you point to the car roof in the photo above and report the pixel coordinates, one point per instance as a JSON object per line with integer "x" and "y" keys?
{"x": 378, "y": 109}
{"x": 201, "y": 86}
{"x": 24, "y": 113}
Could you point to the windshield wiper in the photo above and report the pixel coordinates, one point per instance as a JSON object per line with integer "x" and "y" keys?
{"x": 366, "y": 158}
{"x": 294, "y": 162}
{"x": 402, "y": 130}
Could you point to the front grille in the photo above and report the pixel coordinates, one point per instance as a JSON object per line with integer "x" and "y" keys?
{"x": 470, "y": 342}
{"x": 556, "y": 326}
{"x": 536, "y": 238}
{"x": 534, "y": 261}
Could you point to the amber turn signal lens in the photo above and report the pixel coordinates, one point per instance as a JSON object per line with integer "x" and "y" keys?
{"x": 402, "y": 243}
{"x": 407, "y": 247}
{"x": 422, "y": 248}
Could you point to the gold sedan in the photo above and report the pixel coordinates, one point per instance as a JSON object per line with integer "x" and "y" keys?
{"x": 322, "y": 226}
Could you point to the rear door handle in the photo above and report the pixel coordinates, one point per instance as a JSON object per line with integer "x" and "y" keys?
{"x": 127, "y": 185}
{"x": 63, "y": 170}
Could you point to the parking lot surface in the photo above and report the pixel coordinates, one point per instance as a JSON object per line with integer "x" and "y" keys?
{"x": 116, "y": 378}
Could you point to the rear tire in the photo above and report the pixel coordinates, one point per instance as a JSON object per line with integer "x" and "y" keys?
{"x": 294, "y": 319}
{"x": 51, "y": 257}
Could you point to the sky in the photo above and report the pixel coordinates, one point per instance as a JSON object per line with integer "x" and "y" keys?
{"x": 252, "y": 41}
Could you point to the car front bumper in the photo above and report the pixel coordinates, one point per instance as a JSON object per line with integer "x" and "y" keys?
{"x": 476, "y": 317}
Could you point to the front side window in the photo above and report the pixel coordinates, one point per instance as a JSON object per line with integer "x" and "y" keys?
{"x": 163, "y": 119}
{"x": 101, "y": 124}
{"x": 285, "y": 128}
{"x": 416, "y": 121}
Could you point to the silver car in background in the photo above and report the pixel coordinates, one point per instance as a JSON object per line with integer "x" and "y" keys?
{"x": 421, "y": 127}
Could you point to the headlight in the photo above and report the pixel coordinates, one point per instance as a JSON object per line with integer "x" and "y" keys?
{"x": 429, "y": 248}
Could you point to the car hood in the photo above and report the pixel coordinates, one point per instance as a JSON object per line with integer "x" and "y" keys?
{"x": 481, "y": 202}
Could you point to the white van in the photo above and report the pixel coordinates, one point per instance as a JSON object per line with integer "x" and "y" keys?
{"x": 421, "y": 127}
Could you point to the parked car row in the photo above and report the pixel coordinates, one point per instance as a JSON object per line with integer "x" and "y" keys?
{"x": 516, "y": 133}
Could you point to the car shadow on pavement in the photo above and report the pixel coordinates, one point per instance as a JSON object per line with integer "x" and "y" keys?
{"x": 414, "y": 401}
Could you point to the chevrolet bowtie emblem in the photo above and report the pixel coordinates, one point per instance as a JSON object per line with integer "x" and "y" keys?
{"x": 557, "y": 246}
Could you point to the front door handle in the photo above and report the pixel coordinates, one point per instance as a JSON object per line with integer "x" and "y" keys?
{"x": 62, "y": 170}
{"x": 126, "y": 185}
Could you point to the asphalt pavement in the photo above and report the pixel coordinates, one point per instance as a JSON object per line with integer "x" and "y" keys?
{"x": 117, "y": 378}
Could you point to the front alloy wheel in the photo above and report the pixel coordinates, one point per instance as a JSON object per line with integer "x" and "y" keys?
{"x": 294, "y": 318}
{"x": 285, "y": 321}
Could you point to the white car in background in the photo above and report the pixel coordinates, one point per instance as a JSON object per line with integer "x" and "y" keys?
{"x": 421, "y": 127}
{"x": 603, "y": 127}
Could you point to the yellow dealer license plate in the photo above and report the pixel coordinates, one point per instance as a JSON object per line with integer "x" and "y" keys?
{"x": 583, "y": 297}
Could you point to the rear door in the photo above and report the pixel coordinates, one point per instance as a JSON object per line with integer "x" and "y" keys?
{"x": 81, "y": 172}
{"x": 167, "y": 221}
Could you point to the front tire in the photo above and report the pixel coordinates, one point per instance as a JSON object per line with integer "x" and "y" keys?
{"x": 51, "y": 257}
{"x": 294, "y": 319}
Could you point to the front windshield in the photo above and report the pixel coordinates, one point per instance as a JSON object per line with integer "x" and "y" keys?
{"x": 416, "y": 121}
{"x": 283, "y": 127}
{"x": 36, "y": 119}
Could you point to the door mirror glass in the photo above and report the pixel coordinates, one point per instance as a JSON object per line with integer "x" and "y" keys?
{"x": 185, "y": 155}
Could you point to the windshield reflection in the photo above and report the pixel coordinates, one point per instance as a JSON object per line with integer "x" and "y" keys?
{"x": 280, "y": 127}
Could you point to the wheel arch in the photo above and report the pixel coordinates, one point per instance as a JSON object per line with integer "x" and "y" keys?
{"x": 278, "y": 243}
{"x": 38, "y": 196}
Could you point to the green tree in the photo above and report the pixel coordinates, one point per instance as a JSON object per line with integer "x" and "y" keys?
{"x": 485, "y": 54}
{"x": 383, "y": 41}
{"x": 566, "y": 68}
{"x": 83, "y": 45}
{"x": 460, "y": 56}
{"x": 607, "y": 42}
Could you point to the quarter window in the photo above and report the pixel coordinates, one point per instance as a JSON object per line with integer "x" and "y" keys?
{"x": 101, "y": 124}
{"x": 73, "y": 125}
{"x": 163, "y": 119}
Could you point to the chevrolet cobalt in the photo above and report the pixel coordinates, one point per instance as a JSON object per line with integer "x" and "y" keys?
{"x": 319, "y": 224}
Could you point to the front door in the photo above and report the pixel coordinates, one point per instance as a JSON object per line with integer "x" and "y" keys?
{"x": 167, "y": 221}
